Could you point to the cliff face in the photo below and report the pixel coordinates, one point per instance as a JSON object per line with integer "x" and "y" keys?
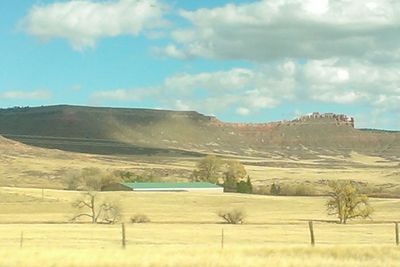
{"x": 338, "y": 119}
{"x": 111, "y": 130}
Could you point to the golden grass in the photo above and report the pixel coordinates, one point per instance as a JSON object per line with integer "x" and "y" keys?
{"x": 327, "y": 256}
{"x": 27, "y": 205}
{"x": 184, "y": 228}
{"x": 85, "y": 236}
{"x": 185, "y": 231}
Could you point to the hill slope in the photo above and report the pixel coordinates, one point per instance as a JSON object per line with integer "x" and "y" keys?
{"x": 144, "y": 131}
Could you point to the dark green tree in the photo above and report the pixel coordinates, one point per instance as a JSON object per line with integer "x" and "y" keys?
{"x": 245, "y": 186}
{"x": 275, "y": 189}
{"x": 249, "y": 185}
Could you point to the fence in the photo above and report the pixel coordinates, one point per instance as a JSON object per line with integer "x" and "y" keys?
{"x": 313, "y": 233}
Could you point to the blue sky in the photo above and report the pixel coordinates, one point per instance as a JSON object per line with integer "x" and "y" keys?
{"x": 247, "y": 61}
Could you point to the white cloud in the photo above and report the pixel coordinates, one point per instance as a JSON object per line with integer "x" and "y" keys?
{"x": 211, "y": 81}
{"x": 314, "y": 29}
{"x": 169, "y": 51}
{"x": 316, "y": 7}
{"x": 243, "y": 111}
{"x": 179, "y": 105}
{"x": 26, "y": 95}
{"x": 136, "y": 94}
{"x": 211, "y": 92}
{"x": 350, "y": 81}
{"x": 247, "y": 91}
{"x": 338, "y": 97}
{"x": 259, "y": 98}
{"x": 83, "y": 22}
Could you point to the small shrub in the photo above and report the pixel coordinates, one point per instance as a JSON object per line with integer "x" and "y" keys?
{"x": 297, "y": 190}
{"x": 130, "y": 177}
{"x": 275, "y": 189}
{"x": 304, "y": 190}
{"x": 73, "y": 182}
{"x": 140, "y": 218}
{"x": 111, "y": 213}
{"x": 235, "y": 216}
{"x": 261, "y": 190}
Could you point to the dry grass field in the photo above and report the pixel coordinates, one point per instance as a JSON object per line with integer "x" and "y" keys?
{"x": 26, "y": 166}
{"x": 184, "y": 228}
{"x": 178, "y": 255}
{"x": 185, "y": 231}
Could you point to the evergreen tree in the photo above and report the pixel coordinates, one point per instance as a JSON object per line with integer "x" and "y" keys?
{"x": 249, "y": 185}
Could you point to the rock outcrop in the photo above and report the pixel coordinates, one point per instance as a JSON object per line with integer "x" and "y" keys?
{"x": 338, "y": 119}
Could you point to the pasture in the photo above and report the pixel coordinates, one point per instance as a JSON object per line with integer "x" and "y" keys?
{"x": 25, "y": 166}
{"x": 185, "y": 231}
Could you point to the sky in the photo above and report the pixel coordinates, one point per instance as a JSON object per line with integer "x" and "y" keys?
{"x": 242, "y": 61}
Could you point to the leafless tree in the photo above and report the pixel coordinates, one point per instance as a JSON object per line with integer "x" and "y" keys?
{"x": 105, "y": 212}
{"x": 234, "y": 216}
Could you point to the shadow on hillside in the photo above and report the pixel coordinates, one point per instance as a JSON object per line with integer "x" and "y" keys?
{"x": 99, "y": 146}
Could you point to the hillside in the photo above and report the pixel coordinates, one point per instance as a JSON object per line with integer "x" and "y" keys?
{"x": 23, "y": 165}
{"x": 144, "y": 131}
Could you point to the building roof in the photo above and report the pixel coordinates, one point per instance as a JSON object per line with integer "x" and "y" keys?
{"x": 170, "y": 185}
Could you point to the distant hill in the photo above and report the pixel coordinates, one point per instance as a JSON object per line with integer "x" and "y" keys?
{"x": 145, "y": 131}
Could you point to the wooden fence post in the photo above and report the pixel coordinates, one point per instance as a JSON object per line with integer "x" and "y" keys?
{"x": 396, "y": 228}
{"x": 21, "y": 240}
{"x": 222, "y": 238}
{"x": 311, "y": 227}
{"x": 123, "y": 236}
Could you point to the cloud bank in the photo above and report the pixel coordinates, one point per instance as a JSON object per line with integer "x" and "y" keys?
{"x": 83, "y": 22}
{"x": 248, "y": 91}
{"x": 312, "y": 29}
{"x": 26, "y": 95}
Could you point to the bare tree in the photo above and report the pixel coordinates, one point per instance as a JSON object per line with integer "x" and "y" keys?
{"x": 105, "y": 212}
{"x": 111, "y": 213}
{"x": 234, "y": 216}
